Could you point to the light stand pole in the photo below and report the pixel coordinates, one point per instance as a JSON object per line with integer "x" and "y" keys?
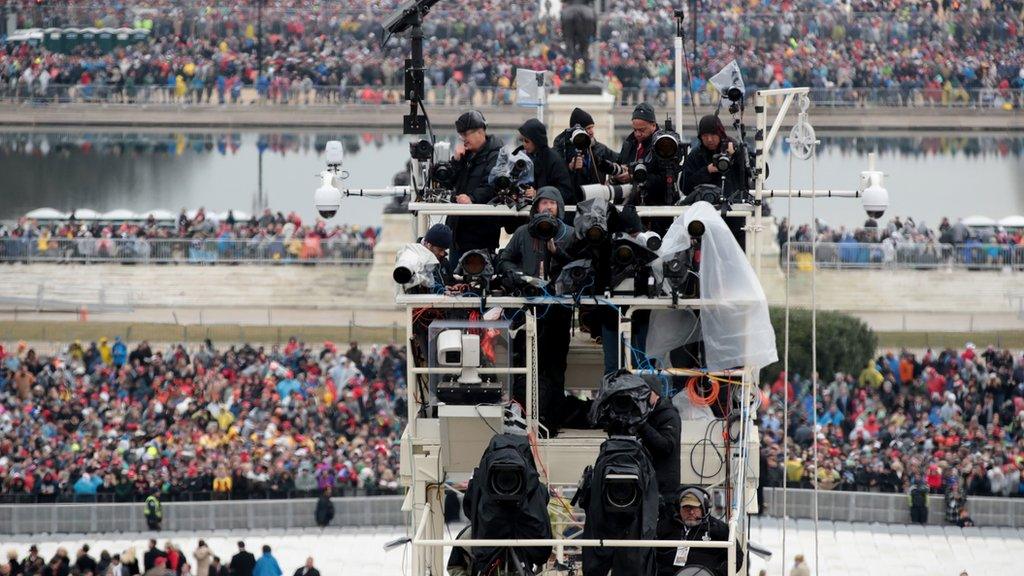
{"x": 259, "y": 44}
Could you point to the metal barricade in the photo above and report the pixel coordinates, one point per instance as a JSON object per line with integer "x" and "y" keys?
{"x": 187, "y": 251}
{"x": 907, "y": 256}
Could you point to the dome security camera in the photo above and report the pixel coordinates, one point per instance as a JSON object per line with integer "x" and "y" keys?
{"x": 327, "y": 197}
{"x": 874, "y": 196}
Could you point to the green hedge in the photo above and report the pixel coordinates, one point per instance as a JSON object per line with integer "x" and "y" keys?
{"x": 845, "y": 343}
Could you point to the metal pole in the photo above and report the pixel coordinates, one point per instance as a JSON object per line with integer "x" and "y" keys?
{"x": 759, "y": 166}
{"x": 259, "y": 42}
{"x": 679, "y": 72}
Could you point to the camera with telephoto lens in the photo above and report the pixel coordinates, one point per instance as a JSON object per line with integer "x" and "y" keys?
{"x": 613, "y": 193}
{"x": 639, "y": 171}
{"x": 575, "y": 279}
{"x": 631, "y": 260}
{"x": 580, "y": 139}
{"x": 591, "y": 223}
{"x": 543, "y": 227}
{"x": 611, "y": 168}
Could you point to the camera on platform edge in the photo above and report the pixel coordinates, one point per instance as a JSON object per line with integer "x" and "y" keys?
{"x": 722, "y": 161}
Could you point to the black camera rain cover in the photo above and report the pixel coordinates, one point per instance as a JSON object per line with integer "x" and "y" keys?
{"x": 620, "y": 455}
{"x": 621, "y": 384}
{"x": 491, "y": 519}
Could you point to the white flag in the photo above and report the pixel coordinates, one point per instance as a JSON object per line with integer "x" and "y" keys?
{"x": 530, "y": 87}
{"x": 728, "y": 77}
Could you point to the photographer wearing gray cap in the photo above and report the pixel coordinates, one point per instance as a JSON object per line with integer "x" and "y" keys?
{"x": 473, "y": 160}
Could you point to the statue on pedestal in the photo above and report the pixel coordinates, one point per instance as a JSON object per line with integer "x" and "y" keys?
{"x": 579, "y": 27}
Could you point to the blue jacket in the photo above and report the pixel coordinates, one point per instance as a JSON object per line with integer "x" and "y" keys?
{"x": 267, "y": 566}
{"x": 119, "y": 353}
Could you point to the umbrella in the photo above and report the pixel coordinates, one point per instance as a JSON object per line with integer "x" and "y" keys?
{"x": 47, "y": 214}
{"x": 1016, "y": 221}
{"x": 976, "y": 221}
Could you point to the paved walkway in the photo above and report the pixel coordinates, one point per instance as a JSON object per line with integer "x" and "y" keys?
{"x": 844, "y": 549}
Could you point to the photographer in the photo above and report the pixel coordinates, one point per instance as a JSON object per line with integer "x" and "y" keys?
{"x": 548, "y": 168}
{"x": 699, "y": 166}
{"x": 473, "y": 160}
{"x": 584, "y": 165}
{"x": 537, "y": 249}
{"x": 438, "y": 240}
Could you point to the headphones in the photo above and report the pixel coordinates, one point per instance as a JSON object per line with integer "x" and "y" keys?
{"x": 703, "y": 495}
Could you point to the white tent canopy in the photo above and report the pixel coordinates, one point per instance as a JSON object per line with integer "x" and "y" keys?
{"x": 47, "y": 214}
{"x": 87, "y": 214}
{"x": 975, "y": 221}
{"x": 1015, "y": 221}
{"x": 120, "y": 215}
{"x": 159, "y": 215}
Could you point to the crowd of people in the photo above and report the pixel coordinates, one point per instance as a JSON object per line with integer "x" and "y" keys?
{"x": 100, "y": 421}
{"x": 906, "y": 241}
{"x": 950, "y": 421}
{"x": 895, "y": 52}
{"x": 904, "y": 229}
{"x": 201, "y": 237}
{"x": 172, "y": 560}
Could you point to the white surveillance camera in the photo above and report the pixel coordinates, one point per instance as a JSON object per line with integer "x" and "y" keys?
{"x": 327, "y": 197}
{"x": 335, "y": 153}
{"x": 874, "y": 196}
{"x": 455, "y": 349}
{"x": 449, "y": 348}
{"x": 876, "y": 201}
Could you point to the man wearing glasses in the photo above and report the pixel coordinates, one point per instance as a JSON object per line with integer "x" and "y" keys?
{"x": 474, "y": 157}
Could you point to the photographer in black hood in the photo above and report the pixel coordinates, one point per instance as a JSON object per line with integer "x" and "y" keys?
{"x": 537, "y": 249}
{"x": 699, "y": 168}
{"x": 548, "y": 168}
{"x": 585, "y": 166}
{"x": 473, "y": 160}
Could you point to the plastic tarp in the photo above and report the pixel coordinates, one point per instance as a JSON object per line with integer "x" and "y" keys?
{"x": 734, "y": 322}
{"x": 421, "y": 261}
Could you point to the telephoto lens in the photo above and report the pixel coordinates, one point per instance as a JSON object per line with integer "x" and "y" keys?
{"x": 639, "y": 173}
{"x": 543, "y": 227}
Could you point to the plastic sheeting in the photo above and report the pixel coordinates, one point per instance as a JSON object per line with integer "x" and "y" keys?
{"x": 734, "y": 322}
{"x": 421, "y": 261}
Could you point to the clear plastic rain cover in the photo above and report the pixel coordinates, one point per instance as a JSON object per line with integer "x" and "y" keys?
{"x": 734, "y": 322}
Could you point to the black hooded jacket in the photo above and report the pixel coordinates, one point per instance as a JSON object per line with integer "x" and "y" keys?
{"x": 471, "y": 172}
{"x": 659, "y": 191}
{"x": 591, "y": 173}
{"x": 695, "y": 167}
{"x": 549, "y": 168}
{"x": 660, "y": 436}
{"x": 525, "y": 253}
